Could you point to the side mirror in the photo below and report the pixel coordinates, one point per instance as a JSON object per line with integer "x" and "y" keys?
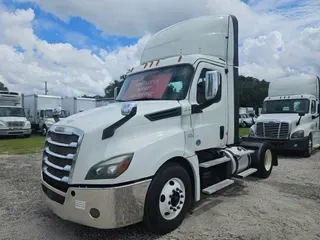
{"x": 212, "y": 84}
{"x": 301, "y": 114}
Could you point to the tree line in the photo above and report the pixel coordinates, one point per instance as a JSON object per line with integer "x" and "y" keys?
{"x": 252, "y": 91}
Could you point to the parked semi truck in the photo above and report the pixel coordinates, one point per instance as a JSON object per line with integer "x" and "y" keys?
{"x": 39, "y": 111}
{"x": 290, "y": 115}
{"x": 78, "y": 104}
{"x": 13, "y": 120}
{"x": 170, "y": 138}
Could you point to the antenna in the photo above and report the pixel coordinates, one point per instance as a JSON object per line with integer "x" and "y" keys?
{"x": 45, "y": 88}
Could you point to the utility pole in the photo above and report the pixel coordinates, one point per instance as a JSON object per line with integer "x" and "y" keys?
{"x": 45, "y": 88}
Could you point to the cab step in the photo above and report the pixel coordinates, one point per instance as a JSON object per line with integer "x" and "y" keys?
{"x": 246, "y": 173}
{"x": 214, "y": 162}
{"x": 218, "y": 186}
{"x": 316, "y": 146}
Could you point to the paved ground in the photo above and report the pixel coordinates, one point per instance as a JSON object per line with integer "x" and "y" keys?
{"x": 285, "y": 206}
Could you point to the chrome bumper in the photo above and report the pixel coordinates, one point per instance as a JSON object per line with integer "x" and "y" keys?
{"x": 117, "y": 206}
{"x": 12, "y": 132}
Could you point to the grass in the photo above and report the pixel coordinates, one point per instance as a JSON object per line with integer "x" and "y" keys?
{"x": 35, "y": 144}
{"x": 17, "y": 146}
{"x": 243, "y": 132}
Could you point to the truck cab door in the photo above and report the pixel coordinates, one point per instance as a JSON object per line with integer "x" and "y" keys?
{"x": 315, "y": 126}
{"x": 208, "y": 116}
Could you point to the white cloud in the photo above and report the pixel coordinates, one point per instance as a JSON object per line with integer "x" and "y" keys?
{"x": 277, "y": 40}
{"x": 67, "y": 70}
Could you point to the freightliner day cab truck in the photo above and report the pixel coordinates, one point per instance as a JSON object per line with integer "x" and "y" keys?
{"x": 170, "y": 137}
{"x": 39, "y": 111}
{"x": 13, "y": 120}
{"x": 289, "y": 118}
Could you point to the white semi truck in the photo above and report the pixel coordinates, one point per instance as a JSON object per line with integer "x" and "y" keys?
{"x": 13, "y": 120}
{"x": 78, "y": 104}
{"x": 171, "y": 136}
{"x": 39, "y": 111}
{"x": 289, "y": 119}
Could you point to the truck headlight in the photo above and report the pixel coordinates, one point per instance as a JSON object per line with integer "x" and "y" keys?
{"x": 2, "y": 125}
{"x": 28, "y": 124}
{"x": 298, "y": 134}
{"x": 111, "y": 168}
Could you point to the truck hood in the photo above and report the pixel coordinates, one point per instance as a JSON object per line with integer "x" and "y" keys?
{"x": 12, "y": 119}
{"x": 288, "y": 117}
{"x": 100, "y": 118}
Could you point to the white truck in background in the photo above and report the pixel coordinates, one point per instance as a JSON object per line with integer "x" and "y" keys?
{"x": 39, "y": 111}
{"x": 290, "y": 115}
{"x": 13, "y": 121}
{"x": 78, "y": 104}
{"x": 171, "y": 137}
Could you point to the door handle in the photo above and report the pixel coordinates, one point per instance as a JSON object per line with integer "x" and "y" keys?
{"x": 221, "y": 132}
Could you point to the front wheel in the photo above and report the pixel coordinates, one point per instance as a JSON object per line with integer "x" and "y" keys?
{"x": 44, "y": 131}
{"x": 168, "y": 199}
{"x": 266, "y": 159}
{"x": 307, "y": 152}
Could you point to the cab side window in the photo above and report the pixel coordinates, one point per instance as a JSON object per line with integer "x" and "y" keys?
{"x": 201, "y": 88}
{"x": 313, "y": 107}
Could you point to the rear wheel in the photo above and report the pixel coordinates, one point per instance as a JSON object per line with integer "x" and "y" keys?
{"x": 168, "y": 199}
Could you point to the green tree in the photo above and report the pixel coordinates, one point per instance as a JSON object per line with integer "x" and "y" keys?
{"x": 109, "y": 90}
{"x": 3, "y": 87}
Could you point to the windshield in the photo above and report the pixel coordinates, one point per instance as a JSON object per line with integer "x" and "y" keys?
{"x": 48, "y": 114}
{"x": 286, "y": 106}
{"x": 169, "y": 83}
{"x": 12, "y": 112}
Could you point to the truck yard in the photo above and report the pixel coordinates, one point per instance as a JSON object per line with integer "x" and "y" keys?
{"x": 284, "y": 206}
{"x": 171, "y": 157}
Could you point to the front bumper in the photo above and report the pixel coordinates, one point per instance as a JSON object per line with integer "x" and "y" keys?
{"x": 298, "y": 144}
{"x": 14, "y": 132}
{"x": 118, "y": 206}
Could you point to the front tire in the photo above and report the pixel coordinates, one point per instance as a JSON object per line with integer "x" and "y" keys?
{"x": 307, "y": 152}
{"x": 266, "y": 160}
{"x": 168, "y": 199}
{"x": 44, "y": 131}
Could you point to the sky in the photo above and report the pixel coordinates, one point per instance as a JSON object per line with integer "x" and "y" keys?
{"x": 79, "y": 46}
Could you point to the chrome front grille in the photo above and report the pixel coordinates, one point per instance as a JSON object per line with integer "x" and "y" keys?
{"x": 15, "y": 124}
{"x": 273, "y": 130}
{"x": 59, "y": 155}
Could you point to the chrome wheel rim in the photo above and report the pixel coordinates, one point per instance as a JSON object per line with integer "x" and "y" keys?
{"x": 172, "y": 198}
{"x": 310, "y": 146}
{"x": 268, "y": 160}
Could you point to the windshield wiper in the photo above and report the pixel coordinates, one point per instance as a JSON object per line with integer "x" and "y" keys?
{"x": 141, "y": 99}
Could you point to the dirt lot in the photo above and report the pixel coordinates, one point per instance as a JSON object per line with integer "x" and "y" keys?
{"x": 285, "y": 206}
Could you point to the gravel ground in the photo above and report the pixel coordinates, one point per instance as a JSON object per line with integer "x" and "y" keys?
{"x": 284, "y": 206}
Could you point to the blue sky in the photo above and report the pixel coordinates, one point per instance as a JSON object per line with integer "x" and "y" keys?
{"x": 78, "y": 32}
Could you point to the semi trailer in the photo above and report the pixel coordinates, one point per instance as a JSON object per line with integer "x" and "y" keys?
{"x": 171, "y": 137}
{"x": 78, "y": 104}
{"x": 289, "y": 119}
{"x": 13, "y": 120}
{"x": 39, "y": 111}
